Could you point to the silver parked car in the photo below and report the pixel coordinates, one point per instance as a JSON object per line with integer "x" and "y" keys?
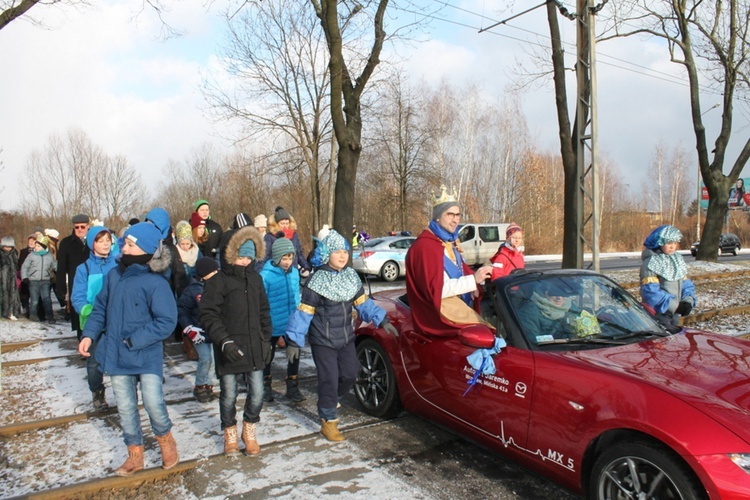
{"x": 383, "y": 256}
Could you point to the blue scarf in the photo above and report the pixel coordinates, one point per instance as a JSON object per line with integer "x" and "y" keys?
{"x": 454, "y": 270}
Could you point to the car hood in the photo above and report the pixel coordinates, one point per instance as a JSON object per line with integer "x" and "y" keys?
{"x": 708, "y": 371}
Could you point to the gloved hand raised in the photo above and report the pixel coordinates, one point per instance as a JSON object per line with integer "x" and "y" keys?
{"x": 389, "y": 328}
{"x": 231, "y": 352}
{"x": 684, "y": 308}
{"x": 195, "y": 333}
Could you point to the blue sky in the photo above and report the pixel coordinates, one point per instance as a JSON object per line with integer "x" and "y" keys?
{"x": 105, "y": 71}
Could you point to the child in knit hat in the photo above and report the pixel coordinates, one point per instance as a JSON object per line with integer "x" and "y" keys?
{"x": 665, "y": 286}
{"x": 510, "y": 254}
{"x": 188, "y": 309}
{"x": 325, "y": 314}
{"x": 10, "y": 300}
{"x": 281, "y": 281}
{"x": 138, "y": 311}
{"x": 236, "y": 317}
{"x": 186, "y": 247}
{"x": 37, "y": 269}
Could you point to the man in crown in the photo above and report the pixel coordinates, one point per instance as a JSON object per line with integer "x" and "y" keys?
{"x": 441, "y": 287}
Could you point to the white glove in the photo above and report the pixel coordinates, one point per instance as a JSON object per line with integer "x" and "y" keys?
{"x": 389, "y": 328}
{"x": 195, "y": 334}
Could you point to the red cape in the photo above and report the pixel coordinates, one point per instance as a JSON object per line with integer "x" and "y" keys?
{"x": 424, "y": 284}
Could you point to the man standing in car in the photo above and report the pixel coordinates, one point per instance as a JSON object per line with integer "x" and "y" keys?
{"x": 72, "y": 252}
{"x": 442, "y": 290}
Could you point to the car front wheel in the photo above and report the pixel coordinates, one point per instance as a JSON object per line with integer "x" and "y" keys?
{"x": 375, "y": 387}
{"x": 389, "y": 271}
{"x": 637, "y": 469}
{"x": 736, "y": 249}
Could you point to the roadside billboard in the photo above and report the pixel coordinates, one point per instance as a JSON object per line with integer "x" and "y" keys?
{"x": 739, "y": 195}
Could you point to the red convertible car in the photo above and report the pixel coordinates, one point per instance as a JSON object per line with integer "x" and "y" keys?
{"x": 588, "y": 388}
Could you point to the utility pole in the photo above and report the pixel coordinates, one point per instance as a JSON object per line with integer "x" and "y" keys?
{"x": 586, "y": 135}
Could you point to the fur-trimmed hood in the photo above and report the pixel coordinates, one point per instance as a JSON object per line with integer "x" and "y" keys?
{"x": 273, "y": 226}
{"x": 161, "y": 260}
{"x": 240, "y": 237}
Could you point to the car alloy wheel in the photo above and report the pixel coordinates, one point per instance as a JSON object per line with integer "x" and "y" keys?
{"x": 639, "y": 469}
{"x": 389, "y": 271}
{"x": 375, "y": 386}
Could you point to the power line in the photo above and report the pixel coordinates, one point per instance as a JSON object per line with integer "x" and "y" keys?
{"x": 644, "y": 70}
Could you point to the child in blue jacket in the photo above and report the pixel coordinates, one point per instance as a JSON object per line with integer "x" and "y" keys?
{"x": 664, "y": 282}
{"x": 137, "y": 309}
{"x": 89, "y": 280}
{"x": 325, "y": 314}
{"x": 281, "y": 282}
{"x": 188, "y": 313}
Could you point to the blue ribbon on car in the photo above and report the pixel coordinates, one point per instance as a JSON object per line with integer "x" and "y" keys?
{"x": 482, "y": 362}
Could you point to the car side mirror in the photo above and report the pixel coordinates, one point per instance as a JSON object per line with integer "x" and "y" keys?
{"x": 477, "y": 336}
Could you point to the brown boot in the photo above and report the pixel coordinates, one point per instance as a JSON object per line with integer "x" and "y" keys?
{"x": 134, "y": 463}
{"x": 248, "y": 437}
{"x": 169, "y": 456}
{"x": 231, "y": 448}
{"x": 330, "y": 430}
{"x": 189, "y": 348}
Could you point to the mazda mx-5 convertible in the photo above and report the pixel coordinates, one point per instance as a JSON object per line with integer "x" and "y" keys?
{"x": 577, "y": 382}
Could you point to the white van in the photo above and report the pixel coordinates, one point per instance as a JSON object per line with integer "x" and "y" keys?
{"x": 481, "y": 241}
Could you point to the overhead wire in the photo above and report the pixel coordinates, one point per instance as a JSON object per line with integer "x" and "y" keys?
{"x": 642, "y": 70}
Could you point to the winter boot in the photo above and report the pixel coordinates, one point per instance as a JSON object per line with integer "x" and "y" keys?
{"x": 330, "y": 430}
{"x": 231, "y": 449}
{"x": 100, "y": 403}
{"x": 189, "y": 349}
{"x": 134, "y": 463}
{"x": 292, "y": 389}
{"x": 202, "y": 393}
{"x": 248, "y": 437}
{"x": 169, "y": 456}
{"x": 267, "y": 392}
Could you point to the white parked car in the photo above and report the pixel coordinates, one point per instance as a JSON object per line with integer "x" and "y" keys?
{"x": 383, "y": 257}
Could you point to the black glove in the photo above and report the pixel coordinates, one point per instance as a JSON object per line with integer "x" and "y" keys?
{"x": 684, "y": 308}
{"x": 231, "y": 352}
{"x": 25, "y": 281}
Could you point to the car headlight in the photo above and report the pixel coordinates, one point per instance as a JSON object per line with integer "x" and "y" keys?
{"x": 742, "y": 460}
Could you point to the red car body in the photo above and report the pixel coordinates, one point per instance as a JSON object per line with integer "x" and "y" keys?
{"x": 558, "y": 408}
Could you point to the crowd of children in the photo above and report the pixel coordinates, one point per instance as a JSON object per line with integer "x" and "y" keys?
{"x": 236, "y": 299}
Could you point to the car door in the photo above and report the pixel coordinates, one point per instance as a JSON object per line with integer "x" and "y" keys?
{"x": 497, "y": 406}
{"x": 467, "y": 235}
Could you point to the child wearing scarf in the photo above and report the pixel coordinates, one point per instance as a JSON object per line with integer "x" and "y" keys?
{"x": 325, "y": 314}
{"x": 664, "y": 283}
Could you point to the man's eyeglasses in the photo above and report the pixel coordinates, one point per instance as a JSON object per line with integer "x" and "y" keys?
{"x": 453, "y": 215}
{"x": 80, "y": 226}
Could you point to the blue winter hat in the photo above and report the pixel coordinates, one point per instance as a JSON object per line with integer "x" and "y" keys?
{"x": 159, "y": 218}
{"x": 247, "y": 249}
{"x": 145, "y": 235}
{"x": 93, "y": 232}
{"x": 661, "y": 236}
{"x": 331, "y": 243}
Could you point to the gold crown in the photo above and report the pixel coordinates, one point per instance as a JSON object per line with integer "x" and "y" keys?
{"x": 444, "y": 196}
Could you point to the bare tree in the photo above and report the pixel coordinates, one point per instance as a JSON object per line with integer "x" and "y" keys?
{"x": 346, "y": 94}
{"x": 401, "y": 135}
{"x": 276, "y": 52}
{"x": 123, "y": 192}
{"x": 73, "y": 175}
{"x": 710, "y": 41}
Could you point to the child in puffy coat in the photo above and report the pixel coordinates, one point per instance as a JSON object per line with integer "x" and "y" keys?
{"x": 88, "y": 282}
{"x": 188, "y": 311}
{"x": 664, "y": 283}
{"x": 137, "y": 309}
{"x": 325, "y": 315}
{"x": 235, "y": 314}
{"x": 37, "y": 270}
{"x": 281, "y": 281}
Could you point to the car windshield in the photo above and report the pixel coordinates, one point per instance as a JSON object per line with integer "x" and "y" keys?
{"x": 581, "y": 310}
